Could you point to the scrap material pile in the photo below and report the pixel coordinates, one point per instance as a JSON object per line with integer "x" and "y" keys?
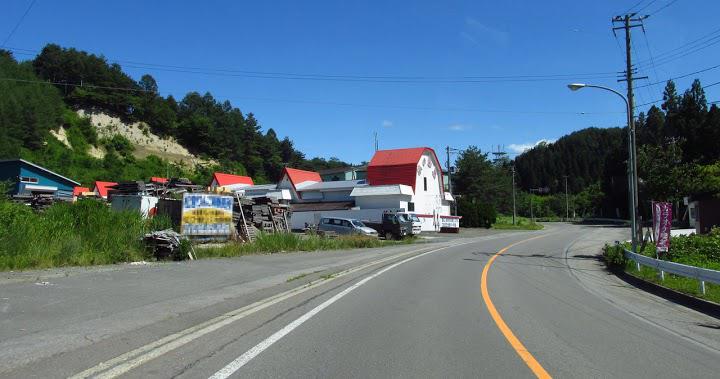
{"x": 261, "y": 214}
{"x": 173, "y": 186}
{"x": 166, "y": 244}
{"x": 38, "y": 202}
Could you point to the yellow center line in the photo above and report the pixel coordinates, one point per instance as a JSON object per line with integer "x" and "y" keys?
{"x": 520, "y": 349}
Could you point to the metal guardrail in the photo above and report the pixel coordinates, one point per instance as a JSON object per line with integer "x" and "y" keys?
{"x": 701, "y": 274}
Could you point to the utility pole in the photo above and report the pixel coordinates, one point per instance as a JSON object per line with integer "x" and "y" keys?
{"x": 513, "y": 188}
{"x": 376, "y": 141}
{"x": 567, "y": 200}
{"x": 628, "y": 22}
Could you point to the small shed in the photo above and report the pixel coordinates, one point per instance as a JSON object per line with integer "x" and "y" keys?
{"x": 704, "y": 212}
{"x": 28, "y": 179}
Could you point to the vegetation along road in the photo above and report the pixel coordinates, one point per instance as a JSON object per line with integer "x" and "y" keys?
{"x": 502, "y": 304}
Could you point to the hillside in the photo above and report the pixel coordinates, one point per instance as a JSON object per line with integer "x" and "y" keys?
{"x": 132, "y": 132}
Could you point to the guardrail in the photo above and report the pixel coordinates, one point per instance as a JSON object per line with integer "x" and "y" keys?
{"x": 701, "y": 274}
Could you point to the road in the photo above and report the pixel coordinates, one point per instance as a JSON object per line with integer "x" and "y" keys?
{"x": 515, "y": 305}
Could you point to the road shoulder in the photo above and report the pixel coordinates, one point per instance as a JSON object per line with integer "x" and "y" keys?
{"x": 583, "y": 259}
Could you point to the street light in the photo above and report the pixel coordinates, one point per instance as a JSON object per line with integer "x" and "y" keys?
{"x": 632, "y": 162}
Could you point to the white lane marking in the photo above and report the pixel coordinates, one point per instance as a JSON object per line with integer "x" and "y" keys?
{"x": 134, "y": 358}
{"x": 242, "y": 360}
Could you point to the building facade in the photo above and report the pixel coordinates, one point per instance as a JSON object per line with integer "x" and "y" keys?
{"x": 28, "y": 179}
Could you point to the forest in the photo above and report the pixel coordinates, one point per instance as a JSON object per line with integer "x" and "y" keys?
{"x": 42, "y": 94}
{"x": 678, "y": 156}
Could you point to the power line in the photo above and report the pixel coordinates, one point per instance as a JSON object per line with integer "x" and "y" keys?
{"x": 671, "y": 2}
{"x": 353, "y": 78}
{"x": 15, "y": 28}
{"x": 698, "y": 44}
{"x": 633, "y": 7}
{"x": 657, "y": 101}
{"x": 73, "y": 84}
{"x": 680, "y": 76}
{"x": 645, "y": 7}
{"x": 421, "y": 108}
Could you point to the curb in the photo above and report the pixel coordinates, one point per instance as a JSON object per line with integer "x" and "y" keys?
{"x": 704, "y": 306}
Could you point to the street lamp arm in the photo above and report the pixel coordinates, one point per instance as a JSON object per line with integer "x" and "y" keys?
{"x": 627, "y": 104}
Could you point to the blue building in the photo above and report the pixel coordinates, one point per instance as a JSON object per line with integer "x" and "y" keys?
{"x": 28, "y": 179}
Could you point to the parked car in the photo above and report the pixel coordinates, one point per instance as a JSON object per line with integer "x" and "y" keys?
{"x": 392, "y": 225}
{"x": 345, "y": 226}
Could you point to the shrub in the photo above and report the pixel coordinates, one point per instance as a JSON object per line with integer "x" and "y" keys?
{"x": 614, "y": 256}
{"x": 476, "y": 214}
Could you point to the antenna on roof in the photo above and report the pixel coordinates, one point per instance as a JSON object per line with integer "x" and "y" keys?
{"x": 376, "y": 141}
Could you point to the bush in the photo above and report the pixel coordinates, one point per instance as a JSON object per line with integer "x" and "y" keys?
{"x": 476, "y": 214}
{"x": 614, "y": 256}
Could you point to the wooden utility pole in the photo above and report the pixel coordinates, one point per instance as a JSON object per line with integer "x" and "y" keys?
{"x": 628, "y": 22}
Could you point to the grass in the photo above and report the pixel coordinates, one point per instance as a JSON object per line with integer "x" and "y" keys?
{"x": 81, "y": 234}
{"x": 678, "y": 283}
{"x": 521, "y": 223}
{"x": 297, "y": 277}
{"x": 288, "y": 242}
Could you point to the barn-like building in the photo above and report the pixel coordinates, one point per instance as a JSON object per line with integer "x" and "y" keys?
{"x": 404, "y": 180}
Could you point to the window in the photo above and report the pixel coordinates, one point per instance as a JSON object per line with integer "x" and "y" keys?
{"x": 425, "y": 183}
{"x": 411, "y": 206}
{"x": 27, "y": 179}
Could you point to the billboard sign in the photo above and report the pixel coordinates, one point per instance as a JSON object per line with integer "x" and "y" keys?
{"x": 206, "y": 215}
{"x": 662, "y": 221}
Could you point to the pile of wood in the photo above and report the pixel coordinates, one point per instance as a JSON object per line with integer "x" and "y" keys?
{"x": 134, "y": 188}
{"x": 260, "y": 214}
{"x": 38, "y": 202}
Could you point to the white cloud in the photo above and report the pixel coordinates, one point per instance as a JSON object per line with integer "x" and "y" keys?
{"x": 387, "y": 124}
{"x": 522, "y": 147}
{"x": 459, "y": 127}
{"x": 476, "y": 32}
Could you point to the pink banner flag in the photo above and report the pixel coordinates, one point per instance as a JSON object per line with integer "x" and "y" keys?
{"x": 662, "y": 221}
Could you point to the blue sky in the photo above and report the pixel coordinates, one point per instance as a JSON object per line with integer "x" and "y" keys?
{"x": 440, "y": 40}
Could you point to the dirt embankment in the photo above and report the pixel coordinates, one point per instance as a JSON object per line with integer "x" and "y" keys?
{"x": 146, "y": 143}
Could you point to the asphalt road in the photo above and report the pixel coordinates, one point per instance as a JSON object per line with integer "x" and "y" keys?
{"x": 547, "y": 307}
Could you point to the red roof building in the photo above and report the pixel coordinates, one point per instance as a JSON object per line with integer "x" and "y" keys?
{"x": 292, "y": 179}
{"x": 159, "y": 180}
{"x": 399, "y": 166}
{"x": 101, "y": 188}
{"x": 77, "y": 191}
{"x": 229, "y": 180}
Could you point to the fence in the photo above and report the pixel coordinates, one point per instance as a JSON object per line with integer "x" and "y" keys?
{"x": 701, "y": 274}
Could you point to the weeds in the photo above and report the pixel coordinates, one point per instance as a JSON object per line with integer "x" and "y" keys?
{"x": 80, "y": 234}
{"x": 521, "y": 223}
{"x": 285, "y": 242}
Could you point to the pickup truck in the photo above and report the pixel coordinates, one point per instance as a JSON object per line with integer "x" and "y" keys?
{"x": 395, "y": 226}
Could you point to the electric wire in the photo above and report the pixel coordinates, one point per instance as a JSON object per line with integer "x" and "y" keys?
{"x": 17, "y": 25}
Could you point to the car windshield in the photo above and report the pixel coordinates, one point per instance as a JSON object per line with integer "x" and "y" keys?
{"x": 414, "y": 218}
{"x": 402, "y": 217}
{"x": 358, "y": 223}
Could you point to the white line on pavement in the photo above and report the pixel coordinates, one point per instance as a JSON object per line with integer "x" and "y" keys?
{"x": 240, "y": 361}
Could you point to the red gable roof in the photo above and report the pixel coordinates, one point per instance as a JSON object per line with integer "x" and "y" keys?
{"x": 157, "y": 179}
{"x": 230, "y": 179}
{"x": 102, "y": 187}
{"x": 397, "y": 166}
{"x": 77, "y": 191}
{"x": 298, "y": 176}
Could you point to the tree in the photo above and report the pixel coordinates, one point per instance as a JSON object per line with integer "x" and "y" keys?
{"x": 671, "y": 100}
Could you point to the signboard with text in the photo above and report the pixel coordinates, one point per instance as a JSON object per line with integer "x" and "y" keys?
{"x": 662, "y": 222}
{"x": 206, "y": 215}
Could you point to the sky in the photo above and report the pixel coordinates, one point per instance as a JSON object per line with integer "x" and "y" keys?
{"x": 331, "y": 74}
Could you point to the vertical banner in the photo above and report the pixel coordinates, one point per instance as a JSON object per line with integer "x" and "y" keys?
{"x": 206, "y": 215}
{"x": 662, "y": 221}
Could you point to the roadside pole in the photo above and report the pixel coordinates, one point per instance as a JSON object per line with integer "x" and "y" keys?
{"x": 513, "y": 191}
